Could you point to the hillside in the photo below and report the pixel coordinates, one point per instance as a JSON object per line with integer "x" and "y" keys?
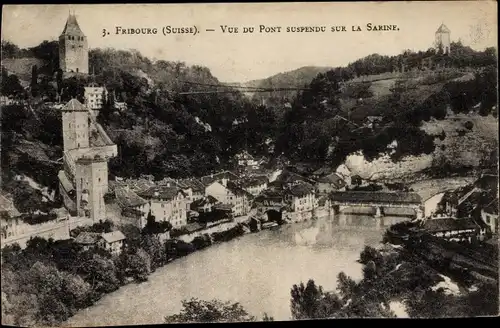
{"x": 297, "y": 78}
{"x": 166, "y": 133}
{"x": 22, "y": 66}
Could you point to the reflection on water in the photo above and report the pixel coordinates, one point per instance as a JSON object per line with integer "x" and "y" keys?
{"x": 257, "y": 270}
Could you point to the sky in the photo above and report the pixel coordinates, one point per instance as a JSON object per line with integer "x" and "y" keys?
{"x": 242, "y": 57}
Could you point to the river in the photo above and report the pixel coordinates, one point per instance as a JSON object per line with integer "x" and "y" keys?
{"x": 257, "y": 270}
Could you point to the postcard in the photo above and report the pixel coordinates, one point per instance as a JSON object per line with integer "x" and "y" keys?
{"x": 234, "y": 162}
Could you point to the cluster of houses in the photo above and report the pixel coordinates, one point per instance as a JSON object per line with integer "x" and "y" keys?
{"x": 182, "y": 201}
{"x": 467, "y": 213}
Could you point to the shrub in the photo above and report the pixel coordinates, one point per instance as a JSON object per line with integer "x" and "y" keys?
{"x": 468, "y": 125}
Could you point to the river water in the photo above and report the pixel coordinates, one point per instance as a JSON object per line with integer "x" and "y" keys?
{"x": 257, "y": 270}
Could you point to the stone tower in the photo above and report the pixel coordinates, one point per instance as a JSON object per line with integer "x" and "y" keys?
{"x": 443, "y": 39}
{"x": 87, "y": 149}
{"x": 75, "y": 120}
{"x": 73, "y": 48}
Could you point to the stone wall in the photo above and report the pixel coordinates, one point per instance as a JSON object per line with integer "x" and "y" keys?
{"x": 57, "y": 229}
{"x": 218, "y": 228}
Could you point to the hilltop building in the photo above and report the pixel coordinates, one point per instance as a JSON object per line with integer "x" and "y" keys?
{"x": 95, "y": 96}
{"x": 87, "y": 149}
{"x": 73, "y": 48}
{"x": 443, "y": 40}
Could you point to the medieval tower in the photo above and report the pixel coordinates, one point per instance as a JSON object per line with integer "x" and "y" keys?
{"x": 73, "y": 48}
{"x": 443, "y": 40}
{"x": 83, "y": 182}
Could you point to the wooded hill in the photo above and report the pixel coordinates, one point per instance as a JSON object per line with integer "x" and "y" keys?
{"x": 165, "y": 133}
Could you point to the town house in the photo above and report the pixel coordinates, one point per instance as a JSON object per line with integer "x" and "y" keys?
{"x": 204, "y": 205}
{"x": 254, "y": 185}
{"x": 112, "y": 242}
{"x": 489, "y": 215}
{"x": 301, "y": 197}
{"x": 197, "y": 188}
{"x": 134, "y": 208}
{"x": 87, "y": 240}
{"x": 229, "y": 193}
{"x": 168, "y": 203}
{"x": 95, "y": 97}
{"x": 452, "y": 229}
{"x": 329, "y": 183}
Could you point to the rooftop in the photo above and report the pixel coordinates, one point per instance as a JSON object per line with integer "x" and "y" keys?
{"x": 128, "y": 198}
{"x": 192, "y": 227}
{"x": 492, "y": 207}
{"x": 334, "y": 179}
{"x": 252, "y": 181}
{"x": 65, "y": 182}
{"x": 161, "y": 192}
{"x": 323, "y": 171}
{"x": 370, "y": 196}
{"x": 74, "y": 106}
{"x": 206, "y": 180}
{"x": 7, "y": 205}
{"x": 443, "y": 29}
{"x": 204, "y": 201}
{"x": 224, "y": 207}
{"x": 114, "y": 236}
{"x": 72, "y": 27}
{"x": 192, "y": 183}
{"x": 237, "y": 190}
{"x": 87, "y": 238}
{"x": 449, "y": 224}
{"x": 301, "y": 189}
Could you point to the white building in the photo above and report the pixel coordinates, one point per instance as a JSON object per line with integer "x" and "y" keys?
{"x": 95, "y": 96}
{"x": 168, "y": 203}
{"x": 229, "y": 193}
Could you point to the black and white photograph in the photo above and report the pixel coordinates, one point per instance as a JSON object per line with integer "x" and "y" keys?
{"x": 248, "y": 162}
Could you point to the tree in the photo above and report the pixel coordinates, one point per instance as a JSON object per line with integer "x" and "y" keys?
{"x": 305, "y": 300}
{"x": 34, "y": 81}
{"x": 346, "y": 287}
{"x": 154, "y": 248}
{"x": 99, "y": 272}
{"x": 10, "y": 85}
{"x": 195, "y": 310}
{"x": 136, "y": 265}
{"x": 9, "y": 50}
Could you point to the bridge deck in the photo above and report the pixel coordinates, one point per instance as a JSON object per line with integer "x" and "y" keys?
{"x": 365, "y": 197}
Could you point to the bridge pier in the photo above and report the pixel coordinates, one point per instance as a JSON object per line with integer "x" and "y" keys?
{"x": 420, "y": 211}
{"x": 379, "y": 211}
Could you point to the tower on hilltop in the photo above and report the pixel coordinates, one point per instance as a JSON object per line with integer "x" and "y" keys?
{"x": 73, "y": 48}
{"x": 443, "y": 40}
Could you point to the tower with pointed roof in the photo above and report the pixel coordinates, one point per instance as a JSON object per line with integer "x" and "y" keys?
{"x": 443, "y": 40}
{"x": 73, "y": 48}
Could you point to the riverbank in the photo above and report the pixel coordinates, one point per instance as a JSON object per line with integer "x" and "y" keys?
{"x": 83, "y": 276}
{"x": 257, "y": 270}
